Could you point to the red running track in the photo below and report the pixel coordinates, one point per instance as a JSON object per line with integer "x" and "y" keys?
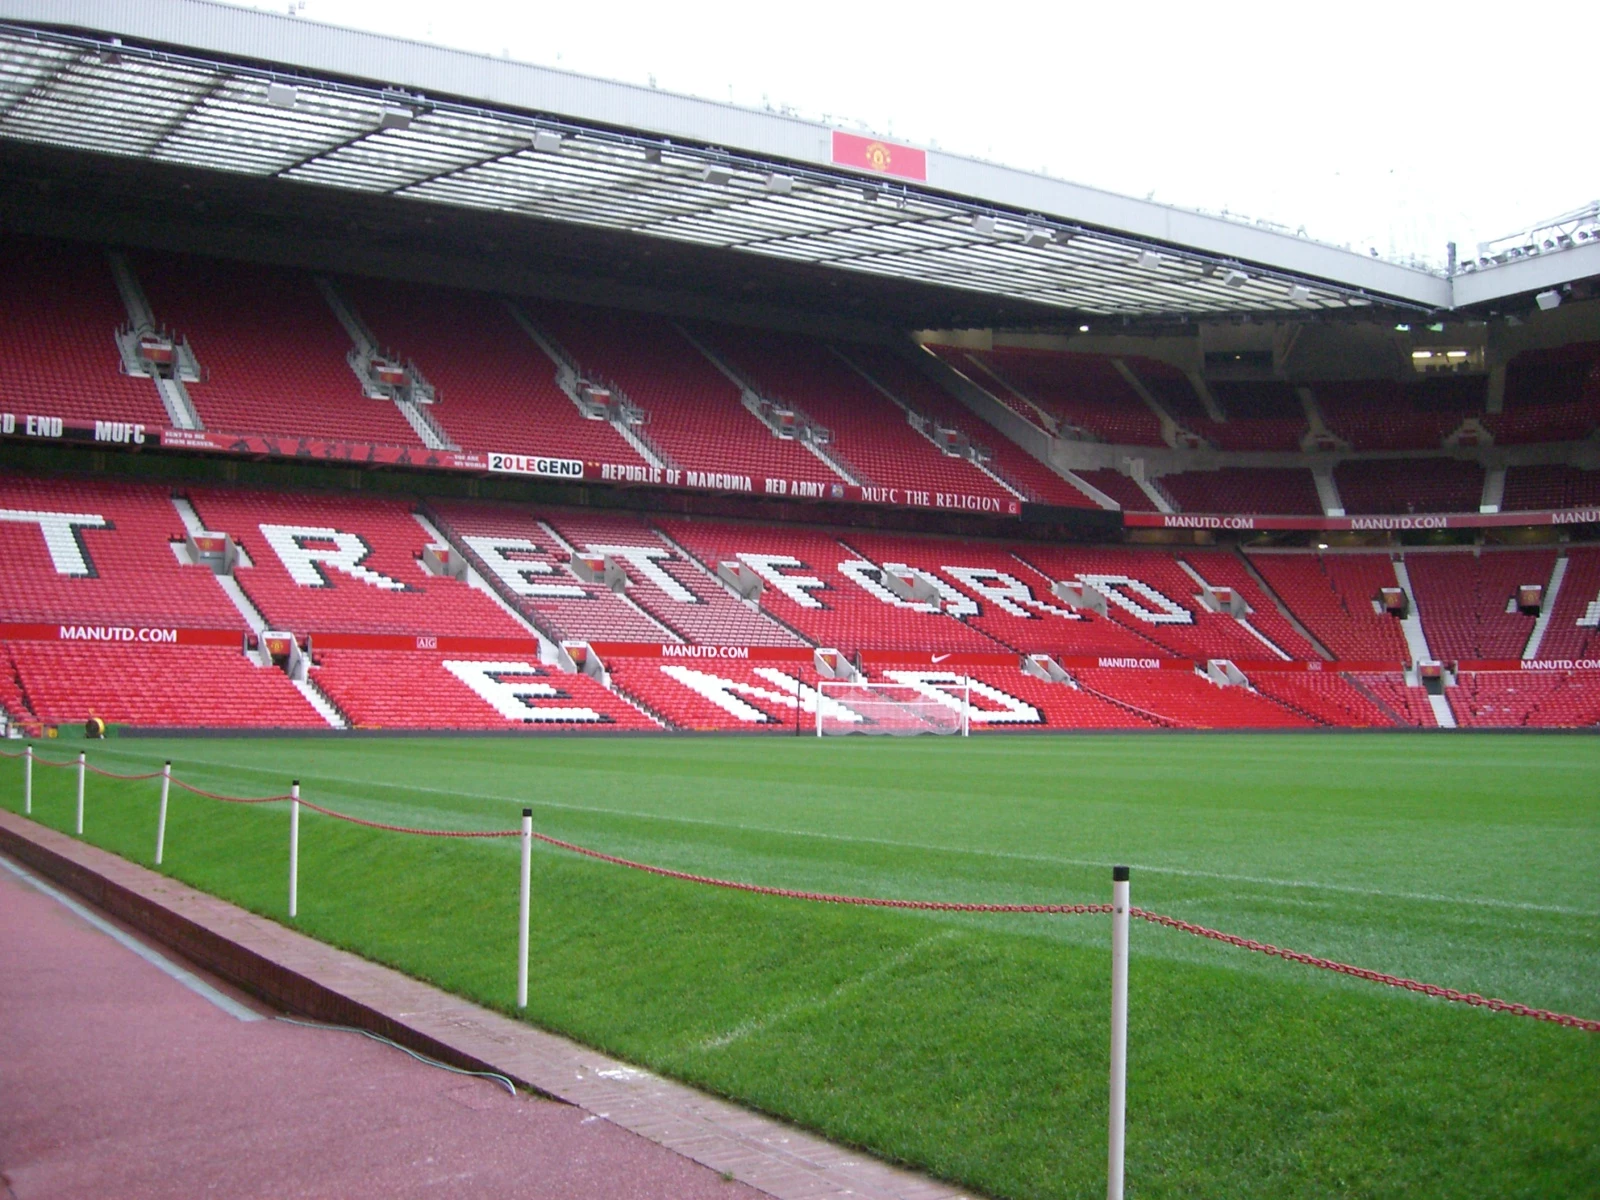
{"x": 120, "y": 1081}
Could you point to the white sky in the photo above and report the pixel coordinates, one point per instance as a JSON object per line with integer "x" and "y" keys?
{"x": 1399, "y": 126}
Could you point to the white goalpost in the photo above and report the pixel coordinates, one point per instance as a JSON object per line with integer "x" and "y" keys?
{"x": 894, "y": 709}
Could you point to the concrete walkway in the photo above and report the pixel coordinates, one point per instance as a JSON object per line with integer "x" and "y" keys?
{"x": 253, "y": 957}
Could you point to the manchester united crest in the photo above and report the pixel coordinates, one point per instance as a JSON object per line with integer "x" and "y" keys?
{"x": 877, "y": 155}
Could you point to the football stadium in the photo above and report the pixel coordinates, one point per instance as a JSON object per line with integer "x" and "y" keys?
{"x": 463, "y": 522}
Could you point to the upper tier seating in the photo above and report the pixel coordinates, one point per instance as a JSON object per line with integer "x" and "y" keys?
{"x": 1015, "y": 464}
{"x": 1002, "y": 594}
{"x": 1152, "y": 596}
{"x": 114, "y": 565}
{"x": 403, "y": 690}
{"x": 1409, "y": 485}
{"x": 344, "y": 564}
{"x": 696, "y": 417}
{"x": 870, "y": 432}
{"x": 1549, "y": 486}
{"x": 1185, "y": 700}
{"x": 1381, "y": 414}
{"x": 1121, "y": 488}
{"x": 189, "y": 686}
{"x": 1551, "y": 395}
{"x": 1409, "y": 703}
{"x": 59, "y": 314}
{"x": 1277, "y": 490}
{"x": 1084, "y": 391}
{"x": 1462, "y": 599}
{"x": 527, "y": 563}
{"x": 1574, "y": 627}
{"x": 668, "y": 584}
{"x": 1261, "y": 415}
{"x": 272, "y": 351}
{"x": 807, "y": 588}
{"x": 1324, "y": 696}
{"x": 496, "y": 387}
{"x": 967, "y": 363}
{"x": 1332, "y": 596}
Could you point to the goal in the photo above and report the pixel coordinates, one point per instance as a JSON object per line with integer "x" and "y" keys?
{"x": 896, "y": 709}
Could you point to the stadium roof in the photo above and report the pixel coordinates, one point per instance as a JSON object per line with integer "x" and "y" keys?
{"x": 200, "y": 84}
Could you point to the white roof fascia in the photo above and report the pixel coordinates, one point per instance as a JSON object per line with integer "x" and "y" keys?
{"x": 1534, "y": 274}
{"x": 298, "y": 44}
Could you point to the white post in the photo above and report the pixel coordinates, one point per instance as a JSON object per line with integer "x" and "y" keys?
{"x": 966, "y": 706}
{"x": 1119, "y": 1030}
{"x": 82, "y": 761}
{"x": 522, "y": 911}
{"x": 27, "y": 780}
{"x": 161, "y": 819}
{"x": 294, "y": 849}
{"x": 820, "y": 698}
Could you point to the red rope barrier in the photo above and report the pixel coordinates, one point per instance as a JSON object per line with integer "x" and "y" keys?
{"x": 1399, "y": 981}
{"x": 446, "y": 833}
{"x": 189, "y": 787}
{"x": 113, "y": 775}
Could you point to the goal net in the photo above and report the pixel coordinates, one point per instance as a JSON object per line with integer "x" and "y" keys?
{"x": 897, "y": 709}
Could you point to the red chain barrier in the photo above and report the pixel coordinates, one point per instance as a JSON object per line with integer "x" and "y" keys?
{"x": 1399, "y": 981}
{"x": 826, "y": 897}
{"x": 446, "y": 833}
{"x": 189, "y": 787}
{"x": 94, "y": 770}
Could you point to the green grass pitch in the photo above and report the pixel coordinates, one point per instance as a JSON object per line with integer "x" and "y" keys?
{"x": 975, "y": 1047}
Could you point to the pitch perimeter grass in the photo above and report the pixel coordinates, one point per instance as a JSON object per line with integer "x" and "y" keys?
{"x": 975, "y": 1047}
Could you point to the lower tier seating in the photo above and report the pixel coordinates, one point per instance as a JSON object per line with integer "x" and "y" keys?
{"x": 1325, "y": 696}
{"x": 1185, "y": 700}
{"x": 191, "y": 687}
{"x": 404, "y": 690}
{"x": 1410, "y": 703}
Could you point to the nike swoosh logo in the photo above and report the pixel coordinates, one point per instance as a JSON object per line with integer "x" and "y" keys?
{"x": 939, "y": 658}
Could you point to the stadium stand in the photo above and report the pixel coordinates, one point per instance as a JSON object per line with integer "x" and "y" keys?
{"x": 528, "y": 565}
{"x": 668, "y": 584}
{"x": 379, "y": 689}
{"x": 1463, "y": 599}
{"x": 1226, "y": 568}
{"x": 1488, "y": 699}
{"x": 1083, "y": 392}
{"x": 1185, "y": 700}
{"x": 1333, "y": 596}
{"x": 869, "y": 432}
{"x": 1573, "y": 630}
{"x": 100, "y": 552}
{"x": 1014, "y": 464}
{"x": 345, "y": 564}
{"x": 1326, "y": 697}
{"x": 1277, "y": 490}
{"x": 1409, "y": 485}
{"x": 1551, "y": 395}
{"x": 191, "y": 686}
{"x": 808, "y": 589}
{"x": 1409, "y": 703}
{"x": 272, "y": 351}
{"x": 496, "y": 388}
{"x": 1260, "y": 415}
{"x": 696, "y": 417}
{"x": 1381, "y": 414}
{"x": 1549, "y": 486}
{"x": 1119, "y": 487}
{"x": 59, "y": 314}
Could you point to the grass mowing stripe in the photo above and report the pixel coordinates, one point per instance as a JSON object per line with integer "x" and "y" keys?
{"x": 1262, "y": 881}
{"x": 982, "y": 1057}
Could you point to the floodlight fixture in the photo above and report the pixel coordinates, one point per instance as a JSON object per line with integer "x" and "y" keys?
{"x": 1547, "y": 300}
{"x": 779, "y": 184}
{"x": 546, "y": 141}
{"x": 1149, "y": 260}
{"x": 1455, "y": 353}
{"x": 395, "y": 118}
{"x": 281, "y": 95}
{"x": 983, "y": 223}
{"x": 1083, "y": 329}
{"x": 1036, "y": 236}
{"x": 1299, "y": 294}
{"x": 1235, "y": 279}
{"x": 1422, "y": 354}
{"x": 1402, "y": 328}
{"x": 652, "y": 154}
{"x": 720, "y": 176}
